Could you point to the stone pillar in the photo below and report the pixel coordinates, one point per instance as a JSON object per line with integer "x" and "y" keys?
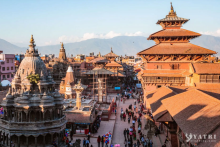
{"x": 10, "y": 140}
{"x": 29, "y": 116}
{"x": 40, "y": 116}
{"x": 35, "y": 141}
{"x": 78, "y": 99}
{"x": 3, "y": 138}
{"x": 43, "y": 140}
{"x": 58, "y": 139}
{"x": 7, "y": 140}
{"x": 51, "y": 137}
{"x": 27, "y": 144}
{"x": 21, "y": 116}
{"x": 18, "y": 141}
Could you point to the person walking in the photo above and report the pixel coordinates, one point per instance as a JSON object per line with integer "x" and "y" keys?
{"x": 71, "y": 135}
{"x": 124, "y": 116}
{"x": 88, "y": 136}
{"x": 125, "y": 132}
{"x": 87, "y": 143}
{"x": 133, "y": 122}
{"x": 84, "y": 142}
{"x": 126, "y": 142}
{"x": 135, "y": 108}
{"x": 115, "y": 112}
{"x": 129, "y": 119}
{"x": 102, "y": 141}
{"x": 138, "y": 143}
{"x": 99, "y": 140}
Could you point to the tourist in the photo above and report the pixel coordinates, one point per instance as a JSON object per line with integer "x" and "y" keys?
{"x": 67, "y": 142}
{"x": 124, "y": 117}
{"x": 133, "y": 122}
{"x": 129, "y": 119}
{"x": 135, "y": 144}
{"x": 164, "y": 145}
{"x": 54, "y": 143}
{"x": 138, "y": 143}
{"x": 135, "y": 108}
{"x": 129, "y": 143}
{"x": 66, "y": 134}
{"x": 87, "y": 143}
{"x": 91, "y": 146}
{"x": 84, "y": 142}
{"x": 88, "y": 136}
{"x": 71, "y": 135}
{"x": 102, "y": 140}
{"x": 151, "y": 143}
{"x": 115, "y": 112}
{"x": 126, "y": 142}
{"x": 99, "y": 140}
{"x": 125, "y": 132}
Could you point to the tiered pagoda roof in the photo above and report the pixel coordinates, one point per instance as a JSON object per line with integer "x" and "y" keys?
{"x": 111, "y": 54}
{"x": 173, "y": 40}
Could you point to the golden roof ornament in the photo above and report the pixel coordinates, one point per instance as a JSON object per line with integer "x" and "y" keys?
{"x": 62, "y": 46}
{"x": 171, "y": 13}
{"x": 32, "y": 39}
{"x": 111, "y": 50}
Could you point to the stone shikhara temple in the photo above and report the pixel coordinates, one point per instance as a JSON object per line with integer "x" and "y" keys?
{"x": 33, "y": 114}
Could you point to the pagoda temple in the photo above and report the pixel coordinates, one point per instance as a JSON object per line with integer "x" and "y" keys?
{"x": 167, "y": 62}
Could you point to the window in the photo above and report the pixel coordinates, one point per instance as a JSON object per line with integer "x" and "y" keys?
{"x": 7, "y": 60}
{"x": 175, "y": 66}
{"x": 12, "y": 75}
{"x": 159, "y": 66}
{"x": 8, "y": 76}
{"x": 22, "y": 71}
{"x": 3, "y": 68}
{"x": 11, "y": 60}
{"x": 12, "y": 68}
{"x": 158, "y": 78}
{"x": 7, "y": 68}
{"x": 2, "y": 62}
{"x": 3, "y": 76}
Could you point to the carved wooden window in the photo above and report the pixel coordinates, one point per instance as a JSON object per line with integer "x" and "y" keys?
{"x": 148, "y": 79}
{"x": 215, "y": 78}
{"x": 203, "y": 78}
{"x": 159, "y": 66}
{"x": 209, "y": 78}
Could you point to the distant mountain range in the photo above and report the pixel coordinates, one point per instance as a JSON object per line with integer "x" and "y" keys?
{"x": 129, "y": 45}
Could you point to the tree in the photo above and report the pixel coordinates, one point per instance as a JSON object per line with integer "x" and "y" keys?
{"x": 33, "y": 78}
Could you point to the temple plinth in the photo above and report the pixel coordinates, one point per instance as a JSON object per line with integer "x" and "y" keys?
{"x": 79, "y": 89}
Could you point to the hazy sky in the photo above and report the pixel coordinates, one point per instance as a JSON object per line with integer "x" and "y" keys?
{"x": 53, "y": 21}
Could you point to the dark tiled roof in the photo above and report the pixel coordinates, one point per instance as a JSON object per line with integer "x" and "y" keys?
{"x": 99, "y": 60}
{"x": 172, "y": 19}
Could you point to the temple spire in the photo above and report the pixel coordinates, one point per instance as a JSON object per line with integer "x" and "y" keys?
{"x": 62, "y": 46}
{"x": 171, "y": 13}
{"x": 111, "y": 50}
